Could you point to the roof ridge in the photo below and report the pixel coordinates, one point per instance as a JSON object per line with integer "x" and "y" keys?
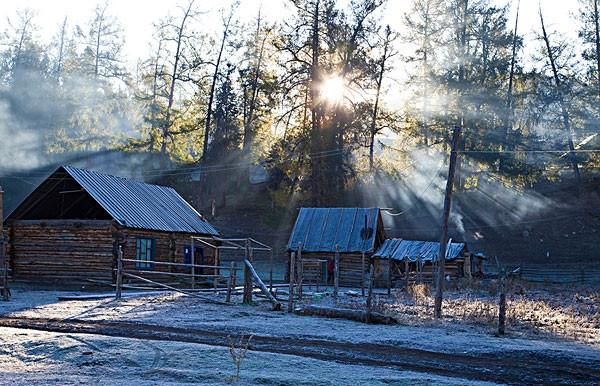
{"x": 126, "y": 179}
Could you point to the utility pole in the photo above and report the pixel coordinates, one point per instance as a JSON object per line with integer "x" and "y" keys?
{"x": 439, "y": 291}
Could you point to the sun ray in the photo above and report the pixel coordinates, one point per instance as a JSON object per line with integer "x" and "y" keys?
{"x": 333, "y": 90}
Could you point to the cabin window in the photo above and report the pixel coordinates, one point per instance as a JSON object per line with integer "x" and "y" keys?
{"x": 144, "y": 253}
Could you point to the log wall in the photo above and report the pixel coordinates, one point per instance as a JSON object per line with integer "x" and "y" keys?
{"x": 169, "y": 247}
{"x": 351, "y": 270}
{"x": 453, "y": 268}
{"x": 66, "y": 251}
{"x": 81, "y": 251}
{"x": 350, "y": 267}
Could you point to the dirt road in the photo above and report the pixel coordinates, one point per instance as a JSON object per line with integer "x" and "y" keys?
{"x": 513, "y": 367}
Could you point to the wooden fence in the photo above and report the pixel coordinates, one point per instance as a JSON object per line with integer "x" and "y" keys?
{"x": 194, "y": 273}
{"x": 555, "y": 273}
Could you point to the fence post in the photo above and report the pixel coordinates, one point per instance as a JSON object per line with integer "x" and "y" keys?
{"x": 230, "y": 281}
{"x": 502, "y": 306}
{"x": 370, "y": 294}
{"x": 271, "y": 270}
{"x": 336, "y": 272}
{"x": 389, "y": 277}
{"x": 217, "y": 271}
{"x": 119, "y": 282}
{"x": 193, "y": 260}
{"x": 300, "y": 271}
{"x": 292, "y": 277}
{"x": 247, "y": 274}
{"x": 362, "y": 274}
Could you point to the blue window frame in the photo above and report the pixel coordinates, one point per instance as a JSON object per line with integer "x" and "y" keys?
{"x": 144, "y": 252}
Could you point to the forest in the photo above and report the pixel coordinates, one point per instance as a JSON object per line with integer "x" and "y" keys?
{"x": 327, "y": 106}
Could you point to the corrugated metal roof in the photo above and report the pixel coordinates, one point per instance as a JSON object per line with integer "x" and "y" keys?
{"x": 321, "y": 229}
{"x": 399, "y": 249}
{"x": 135, "y": 204}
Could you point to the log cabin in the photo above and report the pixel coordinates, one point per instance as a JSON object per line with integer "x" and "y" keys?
{"x": 356, "y": 233}
{"x": 412, "y": 261}
{"x": 70, "y": 227}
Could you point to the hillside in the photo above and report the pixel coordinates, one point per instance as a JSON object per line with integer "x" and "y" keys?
{"x": 530, "y": 226}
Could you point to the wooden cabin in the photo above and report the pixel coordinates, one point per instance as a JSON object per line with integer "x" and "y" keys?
{"x": 412, "y": 261}
{"x": 70, "y": 227}
{"x": 355, "y": 233}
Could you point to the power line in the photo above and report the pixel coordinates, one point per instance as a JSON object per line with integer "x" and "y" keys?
{"x": 527, "y": 151}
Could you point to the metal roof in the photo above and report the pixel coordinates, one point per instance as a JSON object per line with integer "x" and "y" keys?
{"x": 135, "y": 204}
{"x": 321, "y": 229}
{"x": 411, "y": 250}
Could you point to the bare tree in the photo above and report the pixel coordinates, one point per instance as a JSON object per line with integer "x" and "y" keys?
{"x": 62, "y": 37}
{"x": 174, "y": 32}
{"x": 550, "y": 52}
{"x": 103, "y": 44}
{"x": 511, "y": 76}
{"x": 425, "y": 26}
{"x": 20, "y": 38}
{"x": 382, "y": 64}
{"x": 214, "y": 80}
{"x": 250, "y": 101}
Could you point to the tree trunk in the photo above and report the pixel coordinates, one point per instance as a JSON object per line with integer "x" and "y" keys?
{"x": 61, "y": 45}
{"x": 213, "y": 85}
{"x": 377, "y": 96}
{"x": 597, "y": 30}
{"x": 461, "y": 85}
{"x": 17, "y": 59}
{"x": 316, "y": 183}
{"x": 167, "y": 126}
{"x": 248, "y": 123}
{"x": 563, "y": 107}
{"x": 371, "y": 149}
{"x": 444, "y": 237}
{"x": 425, "y": 48}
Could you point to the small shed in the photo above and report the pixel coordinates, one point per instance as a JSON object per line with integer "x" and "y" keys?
{"x": 70, "y": 227}
{"x": 355, "y": 233}
{"x": 413, "y": 260}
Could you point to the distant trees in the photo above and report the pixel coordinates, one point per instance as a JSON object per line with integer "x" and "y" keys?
{"x": 381, "y": 120}
{"x": 589, "y": 33}
{"x": 558, "y": 56}
{"x": 103, "y": 42}
{"x": 311, "y": 97}
{"x": 326, "y": 50}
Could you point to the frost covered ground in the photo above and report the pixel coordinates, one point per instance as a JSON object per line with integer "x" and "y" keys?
{"x": 41, "y": 357}
{"x": 35, "y": 357}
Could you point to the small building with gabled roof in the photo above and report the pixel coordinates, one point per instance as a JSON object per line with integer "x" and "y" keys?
{"x": 413, "y": 260}
{"x": 70, "y": 227}
{"x": 355, "y": 233}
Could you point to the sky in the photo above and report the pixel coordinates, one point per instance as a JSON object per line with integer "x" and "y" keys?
{"x": 137, "y": 16}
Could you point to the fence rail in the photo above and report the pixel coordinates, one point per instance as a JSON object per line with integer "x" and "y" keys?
{"x": 179, "y": 264}
{"x": 555, "y": 273}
